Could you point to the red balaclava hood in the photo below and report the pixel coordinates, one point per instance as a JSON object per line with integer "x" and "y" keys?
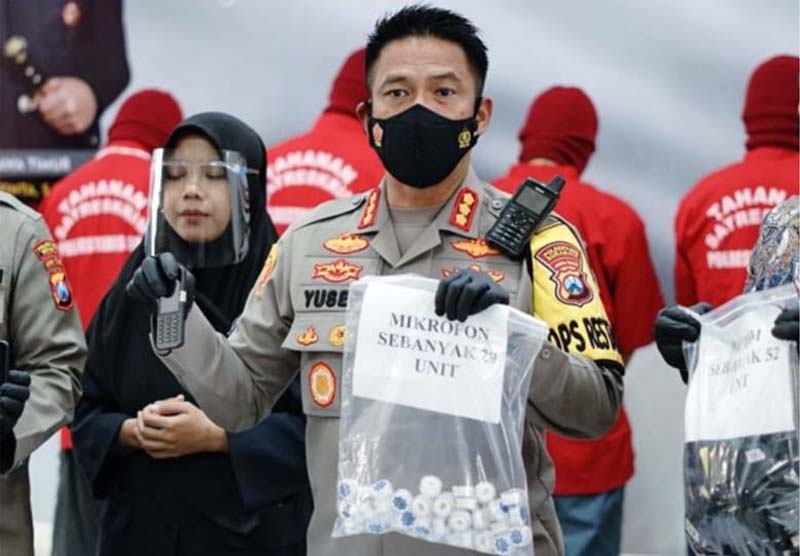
{"x": 350, "y": 86}
{"x": 561, "y": 126}
{"x": 147, "y": 118}
{"x": 770, "y": 112}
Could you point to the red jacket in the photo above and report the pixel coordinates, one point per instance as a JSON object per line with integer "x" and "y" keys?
{"x": 717, "y": 223}
{"x": 616, "y": 245}
{"x": 98, "y": 215}
{"x": 331, "y": 160}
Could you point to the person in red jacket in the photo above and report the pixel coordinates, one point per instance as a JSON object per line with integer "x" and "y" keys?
{"x": 97, "y": 216}
{"x": 333, "y": 159}
{"x": 558, "y": 138}
{"x": 717, "y": 222}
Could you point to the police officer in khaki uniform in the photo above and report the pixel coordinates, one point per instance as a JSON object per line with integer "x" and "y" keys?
{"x": 48, "y": 351}
{"x": 425, "y": 70}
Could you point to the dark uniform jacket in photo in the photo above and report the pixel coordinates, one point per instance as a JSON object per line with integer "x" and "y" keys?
{"x": 66, "y": 38}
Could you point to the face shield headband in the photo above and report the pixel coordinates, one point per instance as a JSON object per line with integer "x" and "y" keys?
{"x": 199, "y": 209}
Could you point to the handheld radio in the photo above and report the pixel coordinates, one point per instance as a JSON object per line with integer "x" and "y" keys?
{"x": 169, "y": 319}
{"x": 524, "y": 212}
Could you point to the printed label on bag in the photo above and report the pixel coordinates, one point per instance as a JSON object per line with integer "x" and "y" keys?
{"x": 746, "y": 373}
{"x": 409, "y": 356}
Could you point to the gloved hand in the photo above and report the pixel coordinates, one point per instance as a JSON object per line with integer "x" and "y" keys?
{"x": 13, "y": 394}
{"x": 672, "y": 327}
{"x": 156, "y": 278}
{"x": 467, "y": 292}
{"x": 787, "y": 324}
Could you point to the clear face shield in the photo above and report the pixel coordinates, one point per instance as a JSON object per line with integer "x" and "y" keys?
{"x": 199, "y": 206}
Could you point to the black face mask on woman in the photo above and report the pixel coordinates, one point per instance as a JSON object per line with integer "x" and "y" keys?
{"x": 420, "y": 147}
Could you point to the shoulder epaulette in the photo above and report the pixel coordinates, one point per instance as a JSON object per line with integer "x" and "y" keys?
{"x": 12, "y": 202}
{"x": 495, "y": 199}
{"x": 332, "y": 209}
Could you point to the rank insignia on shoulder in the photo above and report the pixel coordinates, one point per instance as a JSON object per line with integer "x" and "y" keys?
{"x": 337, "y": 271}
{"x": 338, "y": 336}
{"x": 475, "y": 248}
{"x": 370, "y": 209}
{"x": 565, "y": 263}
{"x": 266, "y": 271}
{"x": 322, "y": 384}
{"x": 344, "y": 244}
{"x": 464, "y": 209}
{"x": 495, "y": 275}
{"x": 308, "y": 337}
{"x": 47, "y": 252}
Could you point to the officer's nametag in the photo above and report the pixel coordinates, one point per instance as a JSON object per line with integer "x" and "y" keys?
{"x": 742, "y": 384}
{"x": 407, "y": 355}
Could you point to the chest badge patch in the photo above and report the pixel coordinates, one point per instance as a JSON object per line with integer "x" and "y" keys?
{"x": 308, "y": 337}
{"x": 338, "y": 336}
{"x": 495, "y": 275}
{"x": 344, "y": 244}
{"x": 565, "y": 263}
{"x": 339, "y": 270}
{"x": 47, "y": 252}
{"x": 322, "y": 384}
{"x": 475, "y": 248}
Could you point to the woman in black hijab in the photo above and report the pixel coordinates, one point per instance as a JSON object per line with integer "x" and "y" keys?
{"x": 174, "y": 483}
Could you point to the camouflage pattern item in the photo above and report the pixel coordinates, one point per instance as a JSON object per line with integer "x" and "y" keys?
{"x": 775, "y": 259}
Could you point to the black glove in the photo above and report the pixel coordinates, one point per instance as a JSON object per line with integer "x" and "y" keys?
{"x": 787, "y": 324}
{"x": 156, "y": 278}
{"x": 468, "y": 292}
{"x": 673, "y": 327}
{"x": 13, "y": 394}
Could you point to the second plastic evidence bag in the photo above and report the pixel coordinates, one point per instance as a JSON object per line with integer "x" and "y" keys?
{"x": 741, "y": 460}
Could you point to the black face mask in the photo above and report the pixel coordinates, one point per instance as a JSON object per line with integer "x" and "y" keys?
{"x": 419, "y": 147}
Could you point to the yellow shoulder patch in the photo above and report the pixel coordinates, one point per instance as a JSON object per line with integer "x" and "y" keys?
{"x": 566, "y": 296}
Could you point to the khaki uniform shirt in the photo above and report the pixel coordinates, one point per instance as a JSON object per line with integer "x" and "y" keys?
{"x": 294, "y": 320}
{"x": 43, "y": 329}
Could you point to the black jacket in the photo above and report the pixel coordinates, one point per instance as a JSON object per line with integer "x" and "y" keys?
{"x": 87, "y": 43}
{"x": 253, "y": 500}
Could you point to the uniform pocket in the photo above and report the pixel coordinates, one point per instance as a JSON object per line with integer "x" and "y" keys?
{"x": 319, "y": 338}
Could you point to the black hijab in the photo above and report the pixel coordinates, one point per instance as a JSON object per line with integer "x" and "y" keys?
{"x": 119, "y": 345}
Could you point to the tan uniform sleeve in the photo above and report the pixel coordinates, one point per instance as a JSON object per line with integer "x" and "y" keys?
{"x": 577, "y": 387}
{"x": 237, "y": 380}
{"x": 46, "y": 340}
